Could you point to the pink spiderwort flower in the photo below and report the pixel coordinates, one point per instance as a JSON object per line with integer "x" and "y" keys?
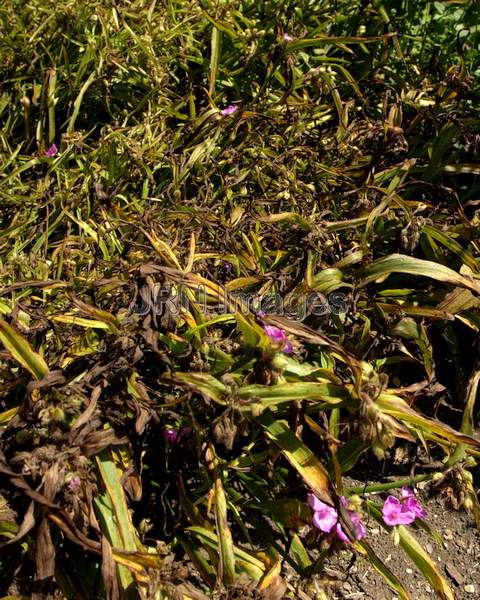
{"x": 229, "y": 110}
{"x": 325, "y": 518}
{"x": 397, "y": 513}
{"x": 412, "y": 503}
{"x": 278, "y": 336}
{"x": 360, "y": 530}
{"x": 51, "y": 151}
{"x": 286, "y": 37}
{"x": 174, "y": 436}
{"x": 403, "y": 511}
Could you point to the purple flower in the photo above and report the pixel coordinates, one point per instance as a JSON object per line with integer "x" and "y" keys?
{"x": 74, "y": 483}
{"x": 408, "y": 497}
{"x": 403, "y": 511}
{"x": 275, "y": 333}
{"x": 286, "y": 37}
{"x": 325, "y": 518}
{"x": 278, "y": 336}
{"x": 174, "y": 436}
{"x": 261, "y": 314}
{"x": 397, "y": 513}
{"x": 171, "y": 436}
{"x": 51, "y": 151}
{"x": 229, "y": 110}
{"x": 228, "y": 267}
{"x": 360, "y": 530}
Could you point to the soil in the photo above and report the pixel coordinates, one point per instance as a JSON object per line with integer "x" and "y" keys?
{"x": 458, "y": 559}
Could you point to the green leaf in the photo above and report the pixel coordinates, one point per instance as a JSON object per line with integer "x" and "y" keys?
{"x": 227, "y": 551}
{"x": 205, "y": 384}
{"x": 300, "y": 390}
{"x": 336, "y": 40}
{"x": 400, "y": 263}
{"x": 245, "y": 561}
{"x": 215, "y": 45}
{"x": 299, "y": 553}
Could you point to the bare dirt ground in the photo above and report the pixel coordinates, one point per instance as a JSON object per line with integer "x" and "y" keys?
{"x": 458, "y": 559}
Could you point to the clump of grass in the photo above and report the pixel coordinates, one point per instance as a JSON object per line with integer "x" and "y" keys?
{"x": 167, "y": 166}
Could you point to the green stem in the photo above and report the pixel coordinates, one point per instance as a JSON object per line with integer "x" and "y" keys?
{"x": 390, "y": 485}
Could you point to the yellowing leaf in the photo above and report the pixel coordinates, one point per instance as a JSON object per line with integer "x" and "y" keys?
{"x": 298, "y": 454}
{"x": 21, "y": 351}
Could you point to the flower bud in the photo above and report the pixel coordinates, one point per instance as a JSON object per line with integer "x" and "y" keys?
{"x": 470, "y": 462}
{"x": 378, "y": 449}
{"x": 396, "y": 536}
{"x": 355, "y": 502}
{"x": 279, "y": 361}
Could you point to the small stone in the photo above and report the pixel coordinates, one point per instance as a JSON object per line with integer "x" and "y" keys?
{"x": 429, "y": 548}
{"x": 454, "y": 573}
{"x": 409, "y": 571}
{"x": 448, "y": 535}
{"x": 470, "y": 588}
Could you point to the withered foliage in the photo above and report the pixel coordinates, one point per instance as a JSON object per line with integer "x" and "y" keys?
{"x": 155, "y": 442}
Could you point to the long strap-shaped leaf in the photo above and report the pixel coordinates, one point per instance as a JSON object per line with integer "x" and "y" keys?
{"x": 400, "y": 263}
{"x": 299, "y": 456}
{"x": 21, "y": 351}
{"x": 116, "y": 520}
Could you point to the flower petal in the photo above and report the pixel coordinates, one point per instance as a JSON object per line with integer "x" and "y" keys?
{"x": 275, "y": 333}
{"x": 341, "y": 534}
{"x": 325, "y": 519}
{"x": 395, "y": 512}
{"x": 229, "y": 110}
{"x": 171, "y": 436}
{"x": 315, "y": 503}
{"x": 51, "y": 151}
{"x": 415, "y": 507}
{"x": 407, "y": 492}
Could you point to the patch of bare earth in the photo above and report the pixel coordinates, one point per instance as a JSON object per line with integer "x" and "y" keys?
{"x": 458, "y": 559}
